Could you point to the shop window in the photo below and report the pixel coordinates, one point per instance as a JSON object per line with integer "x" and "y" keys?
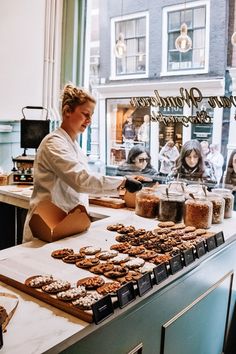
{"x": 196, "y": 59}
{"x": 126, "y": 127}
{"x": 172, "y": 131}
{"x": 134, "y": 61}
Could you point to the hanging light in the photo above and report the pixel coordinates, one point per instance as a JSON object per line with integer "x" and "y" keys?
{"x": 233, "y": 39}
{"x": 120, "y": 47}
{"x": 183, "y": 43}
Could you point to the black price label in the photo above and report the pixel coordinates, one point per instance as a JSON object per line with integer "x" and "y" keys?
{"x": 175, "y": 264}
{"x": 126, "y": 294}
{"x": 102, "y": 309}
{"x": 144, "y": 284}
{"x": 200, "y": 249}
{"x": 211, "y": 243}
{"x": 160, "y": 273}
{"x": 188, "y": 257}
{"x": 219, "y": 238}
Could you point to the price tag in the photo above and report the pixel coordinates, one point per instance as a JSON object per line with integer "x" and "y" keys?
{"x": 126, "y": 294}
{"x": 144, "y": 284}
{"x": 175, "y": 264}
{"x": 160, "y": 273}
{"x": 102, "y": 309}
{"x": 188, "y": 257}
{"x": 219, "y": 238}
{"x": 211, "y": 243}
{"x": 200, "y": 249}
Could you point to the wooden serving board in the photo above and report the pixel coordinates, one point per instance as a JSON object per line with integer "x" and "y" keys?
{"x": 62, "y": 305}
{"x": 108, "y": 202}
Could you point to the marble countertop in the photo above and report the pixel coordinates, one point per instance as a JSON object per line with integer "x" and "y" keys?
{"x": 37, "y": 327}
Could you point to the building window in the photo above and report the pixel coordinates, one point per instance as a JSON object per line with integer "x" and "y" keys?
{"x": 195, "y": 15}
{"x": 134, "y": 61}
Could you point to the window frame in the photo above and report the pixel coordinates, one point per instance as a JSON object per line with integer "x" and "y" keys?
{"x": 113, "y": 75}
{"x": 184, "y": 6}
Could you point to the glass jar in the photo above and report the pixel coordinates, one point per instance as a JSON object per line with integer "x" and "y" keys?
{"x": 171, "y": 207}
{"x": 147, "y": 203}
{"x": 229, "y": 200}
{"x": 195, "y": 189}
{"x": 198, "y": 212}
{"x": 177, "y": 186}
{"x": 218, "y": 204}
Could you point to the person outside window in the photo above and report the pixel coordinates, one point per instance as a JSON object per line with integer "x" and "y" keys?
{"x": 217, "y": 160}
{"x": 144, "y": 130}
{"x": 137, "y": 163}
{"x": 191, "y": 165}
{"x": 230, "y": 178}
{"x": 129, "y": 135}
{"x": 168, "y": 155}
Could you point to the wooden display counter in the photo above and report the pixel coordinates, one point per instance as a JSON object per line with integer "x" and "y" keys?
{"x": 189, "y": 312}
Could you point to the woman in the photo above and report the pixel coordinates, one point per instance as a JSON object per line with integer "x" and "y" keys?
{"x": 231, "y": 170}
{"x": 60, "y": 169}
{"x": 190, "y": 164}
{"x": 138, "y": 163}
{"x": 217, "y": 160}
{"x": 230, "y": 179}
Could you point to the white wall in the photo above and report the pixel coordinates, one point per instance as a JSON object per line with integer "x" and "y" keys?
{"x": 21, "y": 55}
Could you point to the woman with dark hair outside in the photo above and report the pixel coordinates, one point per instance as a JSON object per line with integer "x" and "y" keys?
{"x": 230, "y": 179}
{"x": 190, "y": 165}
{"x": 137, "y": 163}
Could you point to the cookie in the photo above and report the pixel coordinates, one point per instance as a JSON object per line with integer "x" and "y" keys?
{"x": 131, "y": 276}
{"x": 121, "y": 258}
{"x": 135, "y": 263}
{"x": 38, "y": 281}
{"x": 62, "y": 253}
{"x": 148, "y": 255}
{"x": 105, "y": 255}
{"x": 134, "y": 251}
{"x": 163, "y": 230}
{"x": 86, "y": 302}
{"x": 162, "y": 258}
{"x": 189, "y": 229}
{"x": 147, "y": 268}
{"x": 101, "y": 268}
{"x": 189, "y": 236}
{"x": 208, "y": 234}
{"x": 114, "y": 227}
{"x": 178, "y": 226}
{"x": 73, "y": 258}
{"x": 116, "y": 272}
{"x": 91, "y": 283}
{"x": 121, "y": 247}
{"x": 90, "y": 250}
{"x": 122, "y": 238}
{"x": 126, "y": 229}
{"x": 56, "y": 287}
{"x": 108, "y": 288}
{"x": 200, "y": 232}
{"x": 72, "y": 294}
{"x": 166, "y": 224}
{"x": 87, "y": 262}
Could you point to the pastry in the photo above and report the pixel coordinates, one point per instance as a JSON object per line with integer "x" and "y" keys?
{"x": 147, "y": 268}
{"x": 87, "y": 262}
{"x": 73, "y": 258}
{"x": 108, "y": 288}
{"x": 126, "y": 229}
{"x": 3, "y": 315}
{"x": 164, "y": 230}
{"x": 91, "y": 283}
{"x": 62, "y": 253}
{"x": 56, "y": 287}
{"x": 189, "y": 229}
{"x": 122, "y": 238}
{"x": 208, "y": 234}
{"x": 101, "y": 268}
{"x": 90, "y": 250}
{"x": 166, "y": 224}
{"x": 72, "y": 294}
{"x": 131, "y": 276}
{"x": 121, "y": 247}
{"x": 162, "y": 258}
{"x": 114, "y": 227}
{"x": 37, "y": 281}
{"x": 200, "y": 232}
{"x": 85, "y": 303}
{"x": 189, "y": 236}
{"x": 105, "y": 255}
{"x": 134, "y": 251}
